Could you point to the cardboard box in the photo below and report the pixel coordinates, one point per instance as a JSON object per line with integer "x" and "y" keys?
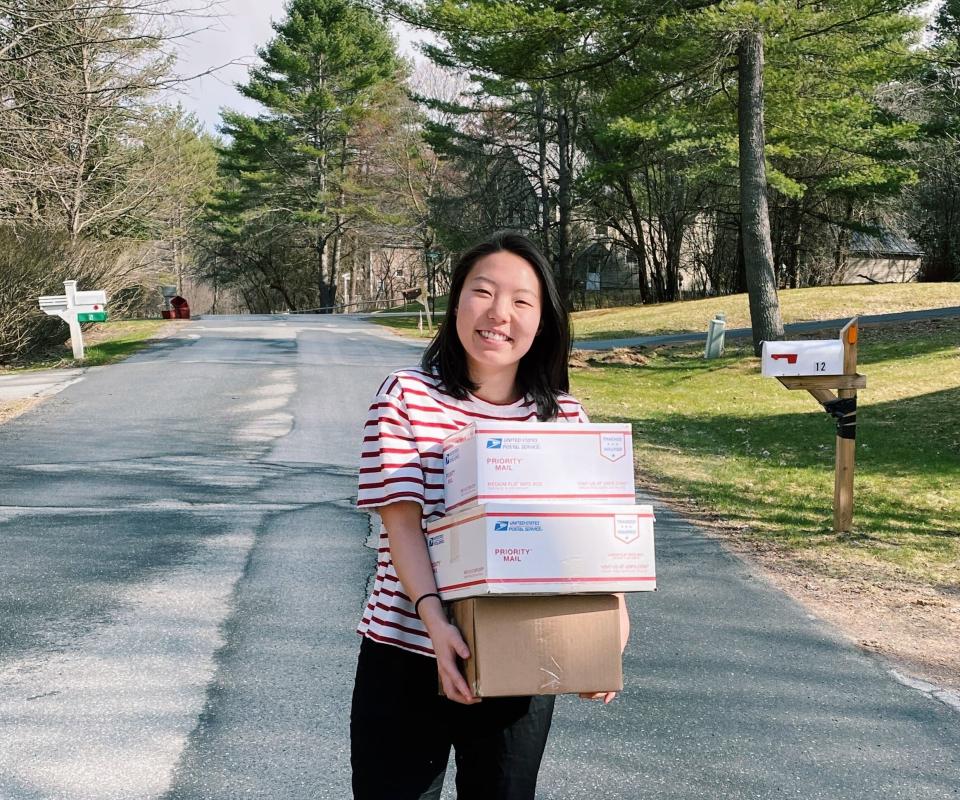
{"x": 541, "y": 645}
{"x": 543, "y": 548}
{"x": 538, "y": 461}
{"x": 809, "y": 357}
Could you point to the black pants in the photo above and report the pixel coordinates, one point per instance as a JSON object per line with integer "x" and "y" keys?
{"x": 401, "y": 732}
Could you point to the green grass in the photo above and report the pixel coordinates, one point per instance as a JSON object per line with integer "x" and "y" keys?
{"x": 104, "y": 343}
{"x": 796, "y": 305}
{"x": 439, "y": 304}
{"x": 122, "y": 339}
{"x": 760, "y": 457}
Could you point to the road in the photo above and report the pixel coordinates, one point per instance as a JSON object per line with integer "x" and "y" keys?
{"x": 182, "y": 568}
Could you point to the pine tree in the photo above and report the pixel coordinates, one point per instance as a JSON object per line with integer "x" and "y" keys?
{"x": 322, "y": 75}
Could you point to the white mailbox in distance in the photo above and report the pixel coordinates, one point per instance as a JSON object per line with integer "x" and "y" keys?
{"x": 808, "y": 357}
{"x": 91, "y": 298}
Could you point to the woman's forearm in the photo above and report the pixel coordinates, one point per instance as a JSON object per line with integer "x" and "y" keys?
{"x": 411, "y": 560}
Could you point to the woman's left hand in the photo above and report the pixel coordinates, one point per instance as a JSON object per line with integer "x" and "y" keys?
{"x": 607, "y": 697}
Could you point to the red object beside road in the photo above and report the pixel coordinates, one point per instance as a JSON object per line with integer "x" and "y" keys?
{"x": 181, "y": 308}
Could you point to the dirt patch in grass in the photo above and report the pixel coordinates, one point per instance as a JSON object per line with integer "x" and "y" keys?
{"x": 913, "y": 626}
{"x": 630, "y": 356}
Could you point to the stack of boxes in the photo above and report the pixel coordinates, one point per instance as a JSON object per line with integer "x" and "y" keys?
{"x": 541, "y": 528}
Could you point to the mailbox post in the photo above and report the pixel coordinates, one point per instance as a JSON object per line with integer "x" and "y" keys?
{"x": 75, "y": 307}
{"x": 819, "y": 367}
{"x": 76, "y": 335}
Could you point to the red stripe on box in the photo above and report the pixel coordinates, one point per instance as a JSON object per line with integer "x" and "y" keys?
{"x": 614, "y": 578}
{"x": 541, "y": 432}
{"x": 454, "y": 524}
{"x": 566, "y": 514}
{"x": 495, "y": 497}
{"x": 571, "y": 495}
{"x": 461, "y": 503}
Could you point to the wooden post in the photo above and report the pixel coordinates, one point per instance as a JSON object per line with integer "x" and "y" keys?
{"x": 843, "y": 407}
{"x": 846, "y": 442}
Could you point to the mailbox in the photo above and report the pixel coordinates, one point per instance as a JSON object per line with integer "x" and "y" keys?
{"x": 75, "y": 307}
{"x": 91, "y": 306}
{"x": 808, "y": 357}
{"x": 92, "y": 298}
{"x": 54, "y": 304}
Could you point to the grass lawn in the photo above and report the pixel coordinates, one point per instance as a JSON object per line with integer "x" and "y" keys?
{"x": 796, "y": 305}
{"x": 104, "y": 343}
{"x": 760, "y": 457}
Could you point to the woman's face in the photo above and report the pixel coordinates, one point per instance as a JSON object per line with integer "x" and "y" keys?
{"x": 498, "y": 313}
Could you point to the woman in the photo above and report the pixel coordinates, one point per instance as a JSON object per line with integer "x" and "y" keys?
{"x": 501, "y": 354}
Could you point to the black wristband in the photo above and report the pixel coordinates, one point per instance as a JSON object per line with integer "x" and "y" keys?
{"x": 421, "y": 598}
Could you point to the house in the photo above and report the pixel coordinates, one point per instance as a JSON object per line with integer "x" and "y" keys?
{"x": 884, "y": 257}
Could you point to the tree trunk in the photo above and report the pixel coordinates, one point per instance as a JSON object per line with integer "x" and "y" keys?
{"x": 320, "y": 251}
{"x": 563, "y": 265}
{"x": 843, "y": 244}
{"x": 793, "y": 248}
{"x": 544, "y": 186}
{"x": 674, "y": 246}
{"x": 636, "y": 218}
{"x": 754, "y": 215}
{"x": 335, "y": 266}
{"x": 740, "y": 277}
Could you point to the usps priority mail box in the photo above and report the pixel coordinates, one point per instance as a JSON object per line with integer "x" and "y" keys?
{"x": 809, "y": 357}
{"x": 541, "y": 461}
{"x": 543, "y": 548}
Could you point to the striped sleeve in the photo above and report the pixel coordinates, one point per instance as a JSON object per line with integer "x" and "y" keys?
{"x": 571, "y": 410}
{"x": 390, "y": 468}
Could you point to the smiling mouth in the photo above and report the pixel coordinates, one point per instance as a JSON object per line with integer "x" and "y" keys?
{"x": 492, "y": 336}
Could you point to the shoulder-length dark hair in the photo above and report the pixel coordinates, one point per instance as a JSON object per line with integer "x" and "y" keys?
{"x": 542, "y": 372}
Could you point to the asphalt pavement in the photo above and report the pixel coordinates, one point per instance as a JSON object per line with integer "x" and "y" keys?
{"x": 182, "y": 569}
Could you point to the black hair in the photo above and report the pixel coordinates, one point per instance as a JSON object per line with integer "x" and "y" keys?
{"x": 542, "y": 372}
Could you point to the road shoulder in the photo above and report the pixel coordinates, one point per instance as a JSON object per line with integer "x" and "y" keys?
{"x": 912, "y": 628}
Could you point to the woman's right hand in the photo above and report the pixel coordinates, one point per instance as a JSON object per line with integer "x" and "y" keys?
{"x": 448, "y": 644}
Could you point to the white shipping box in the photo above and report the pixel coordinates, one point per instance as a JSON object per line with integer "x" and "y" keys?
{"x": 538, "y": 461}
{"x": 543, "y": 548}
{"x": 809, "y": 357}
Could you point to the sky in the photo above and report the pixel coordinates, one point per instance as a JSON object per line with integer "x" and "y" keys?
{"x": 228, "y": 44}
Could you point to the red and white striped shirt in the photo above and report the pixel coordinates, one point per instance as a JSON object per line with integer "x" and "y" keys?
{"x": 402, "y": 459}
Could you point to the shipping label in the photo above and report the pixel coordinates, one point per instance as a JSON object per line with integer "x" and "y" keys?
{"x": 613, "y": 446}
{"x": 626, "y": 528}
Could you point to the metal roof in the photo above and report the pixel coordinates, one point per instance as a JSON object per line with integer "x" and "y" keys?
{"x": 883, "y": 243}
